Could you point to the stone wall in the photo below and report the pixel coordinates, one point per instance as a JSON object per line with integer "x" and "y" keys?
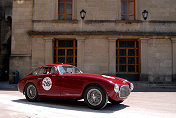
{"x": 42, "y": 51}
{"x": 156, "y": 60}
{"x": 21, "y": 64}
{"x": 22, "y": 23}
{"x": 45, "y": 9}
{"x": 20, "y": 59}
{"x": 163, "y": 10}
{"x": 105, "y": 26}
{"x": 103, "y": 15}
{"x": 107, "y": 9}
{"x": 96, "y": 55}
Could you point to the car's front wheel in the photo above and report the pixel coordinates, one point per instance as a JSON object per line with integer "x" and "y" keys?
{"x": 95, "y": 97}
{"x": 31, "y": 93}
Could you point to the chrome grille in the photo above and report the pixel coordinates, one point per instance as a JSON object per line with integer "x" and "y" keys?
{"x": 124, "y": 91}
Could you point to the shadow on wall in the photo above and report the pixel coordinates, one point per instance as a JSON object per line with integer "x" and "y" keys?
{"x": 72, "y": 105}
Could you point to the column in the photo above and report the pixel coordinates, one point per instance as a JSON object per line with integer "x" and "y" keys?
{"x": 174, "y": 58}
{"x": 80, "y": 52}
{"x": 38, "y": 52}
{"x": 112, "y": 55}
{"x": 144, "y": 58}
{"x": 48, "y": 51}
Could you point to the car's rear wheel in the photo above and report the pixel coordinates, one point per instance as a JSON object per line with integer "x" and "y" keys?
{"x": 95, "y": 97}
{"x": 31, "y": 93}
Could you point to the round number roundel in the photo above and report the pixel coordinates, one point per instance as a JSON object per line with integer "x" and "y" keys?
{"x": 46, "y": 83}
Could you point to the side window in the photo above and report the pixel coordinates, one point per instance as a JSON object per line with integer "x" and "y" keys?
{"x": 54, "y": 70}
{"x": 42, "y": 71}
{"x": 46, "y": 70}
{"x": 36, "y": 72}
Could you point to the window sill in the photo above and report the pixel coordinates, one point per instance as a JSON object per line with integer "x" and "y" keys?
{"x": 161, "y": 21}
{"x": 55, "y": 21}
{"x": 129, "y": 21}
{"x": 112, "y": 21}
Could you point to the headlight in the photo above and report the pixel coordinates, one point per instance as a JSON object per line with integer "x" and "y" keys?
{"x": 116, "y": 88}
{"x": 131, "y": 86}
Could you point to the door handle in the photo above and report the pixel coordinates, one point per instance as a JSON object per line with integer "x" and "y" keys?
{"x": 53, "y": 75}
{"x": 62, "y": 77}
{"x": 40, "y": 78}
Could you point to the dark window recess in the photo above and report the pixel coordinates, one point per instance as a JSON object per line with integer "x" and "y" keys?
{"x": 122, "y": 60}
{"x": 70, "y": 52}
{"x": 122, "y": 52}
{"x": 131, "y": 52}
{"x": 61, "y": 60}
{"x": 61, "y": 52}
{"x": 127, "y": 44}
{"x": 65, "y": 44}
{"x": 69, "y": 60}
{"x": 131, "y": 60}
{"x": 131, "y": 68}
{"x": 122, "y": 68}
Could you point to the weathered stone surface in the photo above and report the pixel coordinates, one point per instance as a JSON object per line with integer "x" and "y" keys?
{"x": 159, "y": 60}
{"x": 21, "y": 64}
{"x": 21, "y": 43}
{"x": 96, "y": 56}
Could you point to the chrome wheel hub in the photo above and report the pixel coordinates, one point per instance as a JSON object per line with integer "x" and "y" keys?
{"x": 94, "y": 97}
{"x": 31, "y": 91}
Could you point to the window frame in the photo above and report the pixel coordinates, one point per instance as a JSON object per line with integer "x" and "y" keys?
{"x": 65, "y": 10}
{"x": 74, "y": 48}
{"x": 136, "y": 56}
{"x": 127, "y": 11}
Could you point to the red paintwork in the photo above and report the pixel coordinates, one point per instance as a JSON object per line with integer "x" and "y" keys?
{"x": 71, "y": 86}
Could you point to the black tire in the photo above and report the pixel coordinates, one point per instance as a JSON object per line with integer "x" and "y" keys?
{"x": 115, "y": 102}
{"x": 31, "y": 93}
{"x": 95, "y": 97}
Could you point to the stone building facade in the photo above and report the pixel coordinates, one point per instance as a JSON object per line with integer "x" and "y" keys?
{"x": 113, "y": 38}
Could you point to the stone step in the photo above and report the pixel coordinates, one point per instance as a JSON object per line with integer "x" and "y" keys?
{"x": 141, "y": 84}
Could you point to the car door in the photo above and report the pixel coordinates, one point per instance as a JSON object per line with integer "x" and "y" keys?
{"x": 47, "y": 82}
{"x": 70, "y": 86}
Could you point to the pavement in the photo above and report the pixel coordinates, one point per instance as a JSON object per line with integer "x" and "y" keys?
{"x": 4, "y": 85}
{"x": 139, "y": 104}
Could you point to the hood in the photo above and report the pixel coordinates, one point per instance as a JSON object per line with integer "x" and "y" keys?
{"x": 113, "y": 79}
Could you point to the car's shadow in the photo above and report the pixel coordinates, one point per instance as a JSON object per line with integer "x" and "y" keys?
{"x": 72, "y": 105}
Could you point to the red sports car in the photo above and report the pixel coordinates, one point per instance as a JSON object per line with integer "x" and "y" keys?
{"x": 64, "y": 81}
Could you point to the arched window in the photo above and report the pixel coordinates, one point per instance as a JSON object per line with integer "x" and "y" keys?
{"x": 65, "y": 9}
{"x": 128, "y": 9}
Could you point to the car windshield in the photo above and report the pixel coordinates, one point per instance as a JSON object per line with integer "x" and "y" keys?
{"x": 68, "y": 69}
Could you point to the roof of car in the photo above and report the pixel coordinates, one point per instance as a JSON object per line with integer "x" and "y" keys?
{"x": 55, "y": 64}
